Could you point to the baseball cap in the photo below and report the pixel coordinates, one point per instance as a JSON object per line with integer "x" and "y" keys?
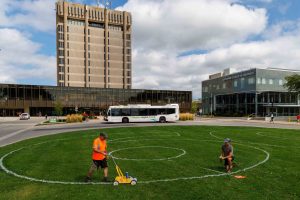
{"x": 227, "y": 140}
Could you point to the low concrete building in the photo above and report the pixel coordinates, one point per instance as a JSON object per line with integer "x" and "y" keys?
{"x": 256, "y": 91}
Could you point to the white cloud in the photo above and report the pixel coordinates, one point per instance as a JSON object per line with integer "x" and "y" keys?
{"x": 162, "y": 30}
{"x": 187, "y": 72}
{"x": 161, "y": 34}
{"x": 20, "y": 59}
{"x": 37, "y": 14}
{"x": 181, "y": 25}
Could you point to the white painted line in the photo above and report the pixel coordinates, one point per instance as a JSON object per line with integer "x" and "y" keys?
{"x": 183, "y": 152}
{"x": 211, "y": 134}
{"x": 178, "y": 134}
{"x": 140, "y": 182}
{"x": 255, "y": 143}
{"x": 281, "y": 138}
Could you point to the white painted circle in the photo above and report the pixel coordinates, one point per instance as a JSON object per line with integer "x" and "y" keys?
{"x": 140, "y": 182}
{"x": 182, "y": 153}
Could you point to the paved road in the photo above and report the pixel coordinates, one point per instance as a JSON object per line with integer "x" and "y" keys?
{"x": 14, "y": 131}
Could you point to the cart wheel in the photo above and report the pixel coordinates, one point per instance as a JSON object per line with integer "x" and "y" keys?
{"x": 116, "y": 183}
{"x": 133, "y": 182}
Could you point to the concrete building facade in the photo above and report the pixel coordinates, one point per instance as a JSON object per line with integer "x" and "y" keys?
{"x": 93, "y": 46}
{"x": 258, "y": 92}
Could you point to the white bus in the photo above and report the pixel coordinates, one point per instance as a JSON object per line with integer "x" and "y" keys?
{"x": 143, "y": 113}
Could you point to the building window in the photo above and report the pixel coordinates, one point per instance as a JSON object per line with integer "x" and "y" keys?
{"x": 242, "y": 82}
{"x": 271, "y": 81}
{"x": 251, "y": 81}
{"x": 258, "y": 80}
{"x": 263, "y": 81}
{"x": 224, "y": 85}
{"x": 235, "y": 83}
{"x": 280, "y": 82}
{"x": 61, "y": 61}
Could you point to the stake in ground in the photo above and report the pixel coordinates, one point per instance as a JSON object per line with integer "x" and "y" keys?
{"x": 170, "y": 163}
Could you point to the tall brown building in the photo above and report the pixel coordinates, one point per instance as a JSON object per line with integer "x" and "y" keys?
{"x": 93, "y": 46}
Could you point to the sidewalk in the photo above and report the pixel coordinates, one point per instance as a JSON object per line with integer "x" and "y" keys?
{"x": 245, "y": 120}
{"x": 8, "y": 119}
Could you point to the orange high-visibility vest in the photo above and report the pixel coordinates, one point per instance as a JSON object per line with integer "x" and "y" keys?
{"x": 100, "y": 145}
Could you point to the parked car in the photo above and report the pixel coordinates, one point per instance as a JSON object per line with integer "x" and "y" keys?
{"x": 24, "y": 116}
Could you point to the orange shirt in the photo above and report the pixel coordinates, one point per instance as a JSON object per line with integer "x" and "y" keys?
{"x": 100, "y": 145}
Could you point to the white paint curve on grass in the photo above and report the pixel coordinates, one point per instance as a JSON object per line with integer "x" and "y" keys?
{"x": 183, "y": 152}
{"x": 140, "y": 182}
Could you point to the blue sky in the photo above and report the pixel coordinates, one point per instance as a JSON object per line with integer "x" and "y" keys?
{"x": 220, "y": 33}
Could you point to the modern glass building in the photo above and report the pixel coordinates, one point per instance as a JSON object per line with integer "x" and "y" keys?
{"x": 255, "y": 91}
{"x": 41, "y": 100}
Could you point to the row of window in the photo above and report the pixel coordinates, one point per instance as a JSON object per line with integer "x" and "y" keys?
{"x": 241, "y": 83}
{"x": 141, "y": 112}
{"x": 62, "y": 77}
{"x": 265, "y": 81}
{"x": 76, "y": 22}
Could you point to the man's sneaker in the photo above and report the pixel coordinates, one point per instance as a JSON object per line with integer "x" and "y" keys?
{"x": 105, "y": 179}
{"x": 88, "y": 179}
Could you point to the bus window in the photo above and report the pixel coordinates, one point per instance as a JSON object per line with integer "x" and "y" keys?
{"x": 134, "y": 112}
{"x": 161, "y": 111}
{"x": 115, "y": 112}
{"x": 153, "y": 112}
{"x": 143, "y": 112}
{"x": 170, "y": 111}
{"x": 125, "y": 112}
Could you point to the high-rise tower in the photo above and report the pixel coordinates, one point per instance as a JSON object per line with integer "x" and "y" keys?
{"x": 93, "y": 46}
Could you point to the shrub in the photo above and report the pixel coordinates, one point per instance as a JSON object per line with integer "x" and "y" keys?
{"x": 74, "y": 118}
{"x": 186, "y": 116}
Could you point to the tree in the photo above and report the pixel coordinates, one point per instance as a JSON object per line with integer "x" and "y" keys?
{"x": 194, "y": 108}
{"x": 293, "y": 83}
{"x": 58, "y": 108}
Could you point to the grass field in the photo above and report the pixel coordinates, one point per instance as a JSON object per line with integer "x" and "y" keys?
{"x": 173, "y": 162}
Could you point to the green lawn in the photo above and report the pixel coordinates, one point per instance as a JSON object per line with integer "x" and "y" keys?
{"x": 271, "y": 158}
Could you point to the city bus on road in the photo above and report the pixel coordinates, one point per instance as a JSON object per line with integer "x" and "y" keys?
{"x": 143, "y": 113}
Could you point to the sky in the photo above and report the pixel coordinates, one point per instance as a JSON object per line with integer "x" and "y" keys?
{"x": 176, "y": 43}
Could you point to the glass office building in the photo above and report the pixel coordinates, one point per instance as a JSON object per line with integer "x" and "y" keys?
{"x": 41, "y": 100}
{"x": 256, "y": 91}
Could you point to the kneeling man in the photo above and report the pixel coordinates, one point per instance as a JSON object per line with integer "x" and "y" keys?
{"x": 227, "y": 154}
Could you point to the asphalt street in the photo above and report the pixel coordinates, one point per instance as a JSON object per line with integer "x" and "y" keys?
{"x": 12, "y": 131}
